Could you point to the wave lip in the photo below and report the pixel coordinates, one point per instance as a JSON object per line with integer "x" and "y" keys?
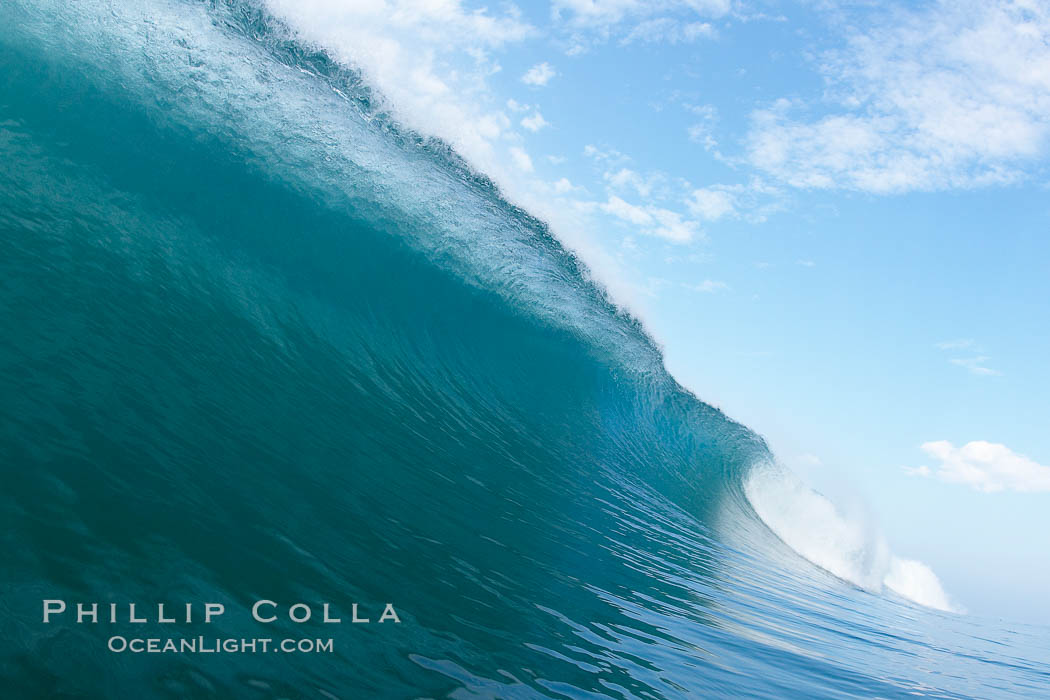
{"x": 850, "y": 548}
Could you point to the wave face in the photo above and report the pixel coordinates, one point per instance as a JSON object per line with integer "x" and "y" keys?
{"x": 263, "y": 342}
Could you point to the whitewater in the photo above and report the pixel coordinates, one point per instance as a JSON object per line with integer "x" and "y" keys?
{"x": 267, "y": 341}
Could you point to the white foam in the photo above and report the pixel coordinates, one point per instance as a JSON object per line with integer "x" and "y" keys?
{"x": 916, "y": 581}
{"x": 846, "y": 545}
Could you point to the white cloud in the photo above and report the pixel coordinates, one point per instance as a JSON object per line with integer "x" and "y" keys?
{"x": 985, "y": 466}
{"x": 954, "y": 95}
{"x": 711, "y": 204}
{"x": 693, "y": 31}
{"x": 584, "y": 24}
{"x": 805, "y": 263}
{"x": 521, "y": 158}
{"x": 975, "y": 365}
{"x": 563, "y": 186}
{"x": 668, "y": 31}
{"x": 673, "y": 227}
{"x": 708, "y": 286}
{"x": 625, "y": 177}
{"x": 653, "y": 221}
{"x": 753, "y": 201}
{"x": 609, "y": 155}
{"x": 701, "y": 133}
{"x": 628, "y": 212}
{"x": 705, "y": 112}
{"x": 959, "y": 344}
{"x": 603, "y": 16}
{"x": 535, "y": 122}
{"x": 922, "y": 471}
{"x": 539, "y": 75}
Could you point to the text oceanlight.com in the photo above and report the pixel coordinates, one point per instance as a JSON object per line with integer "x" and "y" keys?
{"x": 204, "y": 645}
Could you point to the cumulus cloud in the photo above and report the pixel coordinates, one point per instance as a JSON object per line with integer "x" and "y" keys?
{"x": 754, "y": 201}
{"x": 626, "y": 178}
{"x": 956, "y": 94}
{"x": 711, "y": 204}
{"x": 984, "y": 466}
{"x": 563, "y": 186}
{"x": 584, "y": 24}
{"x": 539, "y": 75}
{"x": 534, "y": 122}
{"x": 665, "y": 30}
{"x": 627, "y": 212}
{"x": 605, "y": 15}
{"x": 521, "y": 158}
{"x": 606, "y": 155}
{"x": 652, "y": 220}
{"x": 702, "y": 132}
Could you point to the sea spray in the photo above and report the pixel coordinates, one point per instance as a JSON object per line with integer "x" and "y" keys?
{"x": 848, "y": 547}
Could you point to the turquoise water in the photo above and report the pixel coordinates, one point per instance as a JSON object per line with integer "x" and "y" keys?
{"x": 260, "y": 342}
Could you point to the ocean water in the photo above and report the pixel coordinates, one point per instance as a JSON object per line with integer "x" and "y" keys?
{"x": 261, "y": 342}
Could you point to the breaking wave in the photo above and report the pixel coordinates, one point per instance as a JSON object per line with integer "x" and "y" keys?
{"x": 265, "y": 341}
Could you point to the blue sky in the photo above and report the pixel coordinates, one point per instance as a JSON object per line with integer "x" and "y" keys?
{"x": 832, "y": 215}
